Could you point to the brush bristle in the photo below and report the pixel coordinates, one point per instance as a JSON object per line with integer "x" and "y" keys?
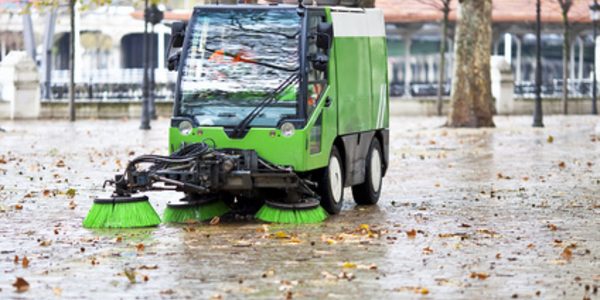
{"x": 286, "y": 216}
{"x": 98, "y": 215}
{"x": 181, "y": 214}
{"x": 121, "y": 215}
{"x": 200, "y": 212}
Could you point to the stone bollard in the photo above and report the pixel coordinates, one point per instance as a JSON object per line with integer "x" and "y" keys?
{"x": 20, "y": 87}
{"x": 503, "y": 85}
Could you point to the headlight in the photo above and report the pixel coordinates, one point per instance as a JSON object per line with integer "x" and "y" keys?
{"x": 185, "y": 127}
{"x": 287, "y": 129}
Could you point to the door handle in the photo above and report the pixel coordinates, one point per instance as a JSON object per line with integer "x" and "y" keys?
{"x": 328, "y": 101}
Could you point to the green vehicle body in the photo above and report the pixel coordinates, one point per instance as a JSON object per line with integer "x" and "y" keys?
{"x": 351, "y": 110}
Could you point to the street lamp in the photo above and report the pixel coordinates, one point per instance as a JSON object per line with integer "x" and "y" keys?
{"x": 153, "y": 16}
{"x": 537, "y": 111}
{"x": 595, "y": 15}
{"x": 145, "y": 125}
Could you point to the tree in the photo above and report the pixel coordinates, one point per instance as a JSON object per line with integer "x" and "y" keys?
{"x": 471, "y": 99}
{"x": 444, "y": 7}
{"x": 565, "y": 7}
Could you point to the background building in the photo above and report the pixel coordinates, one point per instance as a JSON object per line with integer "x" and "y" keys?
{"x": 109, "y": 60}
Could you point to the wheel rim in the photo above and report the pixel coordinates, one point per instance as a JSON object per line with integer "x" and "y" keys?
{"x": 375, "y": 170}
{"x": 335, "y": 179}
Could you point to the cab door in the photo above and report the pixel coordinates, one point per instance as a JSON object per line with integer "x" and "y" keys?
{"x": 321, "y": 106}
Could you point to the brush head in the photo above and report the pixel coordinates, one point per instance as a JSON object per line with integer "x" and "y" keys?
{"x": 121, "y": 212}
{"x": 194, "y": 212}
{"x": 301, "y": 213}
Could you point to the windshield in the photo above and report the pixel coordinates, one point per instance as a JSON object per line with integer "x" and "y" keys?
{"x": 235, "y": 59}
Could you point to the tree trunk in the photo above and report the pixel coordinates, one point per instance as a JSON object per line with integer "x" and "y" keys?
{"x": 443, "y": 42}
{"x": 566, "y": 56}
{"x": 471, "y": 99}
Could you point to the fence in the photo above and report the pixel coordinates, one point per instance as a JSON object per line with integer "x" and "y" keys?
{"x": 118, "y": 84}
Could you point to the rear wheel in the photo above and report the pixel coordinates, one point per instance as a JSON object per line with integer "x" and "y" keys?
{"x": 368, "y": 192}
{"x": 331, "y": 184}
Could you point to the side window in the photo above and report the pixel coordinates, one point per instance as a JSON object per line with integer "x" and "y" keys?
{"x": 317, "y": 80}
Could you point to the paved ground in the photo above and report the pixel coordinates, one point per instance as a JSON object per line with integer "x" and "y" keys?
{"x": 493, "y": 213}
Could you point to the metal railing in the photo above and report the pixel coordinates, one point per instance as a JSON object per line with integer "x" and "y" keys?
{"x": 111, "y": 85}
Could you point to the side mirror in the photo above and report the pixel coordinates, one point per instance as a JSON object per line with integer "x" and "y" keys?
{"x": 176, "y": 42}
{"x": 173, "y": 61}
{"x": 324, "y": 35}
{"x": 320, "y": 61}
{"x": 177, "y": 34}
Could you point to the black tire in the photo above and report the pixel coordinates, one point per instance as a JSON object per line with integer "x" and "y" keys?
{"x": 332, "y": 200}
{"x": 365, "y": 193}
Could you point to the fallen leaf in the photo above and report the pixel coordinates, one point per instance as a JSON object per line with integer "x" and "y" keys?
{"x": 348, "y": 265}
{"x": 45, "y": 243}
{"x": 562, "y": 165}
{"x": 140, "y": 247}
{"x": 72, "y": 205}
{"x": 71, "y": 192}
{"x": 550, "y": 139}
{"x": 21, "y": 285}
{"x": 16, "y": 259}
{"x": 552, "y": 227}
{"x": 167, "y": 292}
{"x": 57, "y": 291}
{"x": 295, "y": 240}
{"x": 18, "y": 206}
{"x": 411, "y": 234}
{"x": 25, "y": 262}
{"x": 214, "y": 221}
{"x": 347, "y": 276}
{"x": 144, "y": 267}
{"x": 242, "y": 243}
{"x": 60, "y": 164}
{"x": 567, "y": 254}
{"x": 264, "y": 228}
{"x": 130, "y": 274}
{"x": 480, "y": 276}
{"x": 427, "y": 250}
{"x": 281, "y": 235}
{"x": 329, "y": 276}
{"x": 413, "y": 289}
{"x": 268, "y": 273}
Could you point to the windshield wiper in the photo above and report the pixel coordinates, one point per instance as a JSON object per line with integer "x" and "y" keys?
{"x": 270, "y": 99}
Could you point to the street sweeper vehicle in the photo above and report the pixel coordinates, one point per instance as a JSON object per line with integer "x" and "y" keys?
{"x": 277, "y": 110}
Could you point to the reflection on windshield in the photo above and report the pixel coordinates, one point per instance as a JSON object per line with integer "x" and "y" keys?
{"x": 235, "y": 59}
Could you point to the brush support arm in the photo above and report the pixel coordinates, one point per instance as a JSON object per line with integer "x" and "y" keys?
{"x": 198, "y": 169}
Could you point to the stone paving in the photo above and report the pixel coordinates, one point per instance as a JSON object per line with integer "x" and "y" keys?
{"x": 510, "y": 212}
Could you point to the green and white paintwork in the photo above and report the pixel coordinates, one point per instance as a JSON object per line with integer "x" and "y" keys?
{"x": 357, "y": 86}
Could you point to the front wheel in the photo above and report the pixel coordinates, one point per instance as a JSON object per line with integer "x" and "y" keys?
{"x": 368, "y": 192}
{"x": 331, "y": 184}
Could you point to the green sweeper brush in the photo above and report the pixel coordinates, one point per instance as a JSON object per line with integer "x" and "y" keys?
{"x": 121, "y": 212}
{"x": 309, "y": 212}
{"x": 194, "y": 211}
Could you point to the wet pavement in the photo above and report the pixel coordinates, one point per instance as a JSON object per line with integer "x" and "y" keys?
{"x": 511, "y": 212}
